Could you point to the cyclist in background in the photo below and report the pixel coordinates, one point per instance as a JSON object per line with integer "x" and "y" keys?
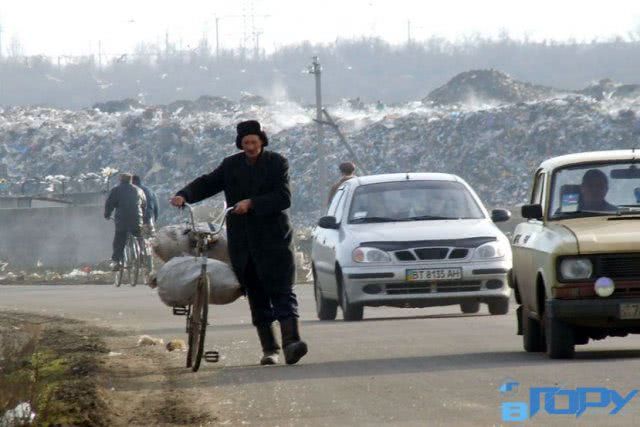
{"x": 129, "y": 203}
{"x": 151, "y": 211}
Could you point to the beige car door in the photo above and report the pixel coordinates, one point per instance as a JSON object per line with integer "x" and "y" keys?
{"x": 524, "y": 246}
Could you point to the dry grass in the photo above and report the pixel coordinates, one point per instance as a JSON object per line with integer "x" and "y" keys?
{"x": 52, "y": 368}
{"x": 18, "y": 373}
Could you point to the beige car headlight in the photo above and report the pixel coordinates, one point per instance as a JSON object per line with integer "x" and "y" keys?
{"x": 366, "y": 255}
{"x": 576, "y": 268}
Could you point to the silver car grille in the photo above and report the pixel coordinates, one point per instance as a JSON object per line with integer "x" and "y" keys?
{"x": 431, "y": 254}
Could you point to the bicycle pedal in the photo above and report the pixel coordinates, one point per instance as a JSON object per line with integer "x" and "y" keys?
{"x": 180, "y": 311}
{"x": 212, "y": 356}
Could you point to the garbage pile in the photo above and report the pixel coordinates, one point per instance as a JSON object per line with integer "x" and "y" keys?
{"x": 487, "y": 86}
{"x": 608, "y": 89}
{"x": 494, "y": 148}
{"x": 83, "y": 275}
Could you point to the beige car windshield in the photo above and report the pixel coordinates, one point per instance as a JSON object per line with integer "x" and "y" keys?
{"x": 594, "y": 189}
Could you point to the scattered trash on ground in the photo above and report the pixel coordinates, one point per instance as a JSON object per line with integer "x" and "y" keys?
{"x": 146, "y": 340}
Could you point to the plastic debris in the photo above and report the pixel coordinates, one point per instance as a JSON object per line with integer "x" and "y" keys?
{"x": 22, "y": 414}
{"x": 176, "y": 344}
{"x": 146, "y": 340}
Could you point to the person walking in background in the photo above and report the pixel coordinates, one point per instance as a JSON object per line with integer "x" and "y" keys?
{"x": 347, "y": 169}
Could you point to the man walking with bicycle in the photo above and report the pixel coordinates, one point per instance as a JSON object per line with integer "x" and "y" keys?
{"x": 129, "y": 203}
{"x": 256, "y": 182}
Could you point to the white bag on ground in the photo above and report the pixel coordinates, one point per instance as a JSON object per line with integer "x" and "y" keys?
{"x": 171, "y": 241}
{"x": 178, "y": 278}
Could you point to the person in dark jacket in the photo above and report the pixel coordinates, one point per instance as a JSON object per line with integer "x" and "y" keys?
{"x": 151, "y": 212}
{"x": 256, "y": 182}
{"x": 129, "y": 203}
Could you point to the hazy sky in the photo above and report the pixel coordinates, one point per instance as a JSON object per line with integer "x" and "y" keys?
{"x": 59, "y": 27}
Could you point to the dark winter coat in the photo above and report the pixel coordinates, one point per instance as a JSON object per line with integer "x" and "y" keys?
{"x": 129, "y": 203}
{"x": 264, "y": 235}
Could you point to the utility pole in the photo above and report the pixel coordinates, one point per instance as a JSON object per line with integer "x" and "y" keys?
{"x": 316, "y": 70}
{"x": 166, "y": 43}
{"x": 408, "y": 32}
{"x": 0, "y": 41}
{"x": 100, "y": 54}
{"x": 257, "y": 35}
{"x": 249, "y": 36}
{"x": 217, "y": 37}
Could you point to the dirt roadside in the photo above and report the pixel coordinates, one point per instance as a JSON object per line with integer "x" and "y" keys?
{"x": 73, "y": 373}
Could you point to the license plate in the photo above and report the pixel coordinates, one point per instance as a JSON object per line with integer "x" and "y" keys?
{"x": 434, "y": 274}
{"x": 630, "y": 311}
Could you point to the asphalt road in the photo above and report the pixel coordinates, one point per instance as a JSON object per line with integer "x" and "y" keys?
{"x": 397, "y": 367}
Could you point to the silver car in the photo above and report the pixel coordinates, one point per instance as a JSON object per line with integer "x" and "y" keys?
{"x": 409, "y": 240}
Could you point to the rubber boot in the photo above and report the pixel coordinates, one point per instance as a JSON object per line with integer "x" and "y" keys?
{"x": 294, "y": 348}
{"x": 270, "y": 347}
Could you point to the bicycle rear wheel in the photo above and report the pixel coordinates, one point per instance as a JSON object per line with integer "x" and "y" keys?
{"x": 198, "y": 325}
{"x": 146, "y": 261}
{"x": 117, "y": 276}
{"x": 134, "y": 260}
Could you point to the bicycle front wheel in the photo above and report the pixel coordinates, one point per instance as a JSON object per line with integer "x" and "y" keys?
{"x": 198, "y": 326}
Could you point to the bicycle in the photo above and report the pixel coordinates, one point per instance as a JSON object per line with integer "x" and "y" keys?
{"x": 146, "y": 253}
{"x": 131, "y": 262}
{"x": 198, "y": 311}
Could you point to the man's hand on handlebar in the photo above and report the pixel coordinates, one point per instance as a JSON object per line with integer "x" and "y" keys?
{"x": 177, "y": 201}
{"x": 243, "y": 206}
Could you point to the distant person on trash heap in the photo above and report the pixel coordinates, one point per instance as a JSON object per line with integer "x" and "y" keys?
{"x": 347, "y": 169}
{"x": 129, "y": 203}
{"x": 256, "y": 182}
{"x": 151, "y": 212}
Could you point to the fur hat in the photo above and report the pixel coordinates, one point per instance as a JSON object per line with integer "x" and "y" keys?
{"x": 250, "y": 127}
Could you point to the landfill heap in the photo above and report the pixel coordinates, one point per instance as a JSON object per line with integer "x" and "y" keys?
{"x": 488, "y": 86}
{"x": 495, "y": 148}
{"x": 608, "y": 89}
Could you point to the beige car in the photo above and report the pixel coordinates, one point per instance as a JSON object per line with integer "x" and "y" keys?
{"x": 576, "y": 261}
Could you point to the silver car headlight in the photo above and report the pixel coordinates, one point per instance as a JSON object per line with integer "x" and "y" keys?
{"x": 364, "y": 254}
{"x": 490, "y": 250}
{"x": 576, "y": 268}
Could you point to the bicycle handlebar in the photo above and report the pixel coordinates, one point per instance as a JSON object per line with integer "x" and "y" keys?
{"x": 227, "y": 211}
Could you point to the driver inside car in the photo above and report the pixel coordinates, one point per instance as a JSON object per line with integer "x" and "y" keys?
{"x": 593, "y": 191}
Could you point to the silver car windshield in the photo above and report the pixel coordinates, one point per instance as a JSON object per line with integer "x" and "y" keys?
{"x": 595, "y": 189}
{"x": 412, "y": 201}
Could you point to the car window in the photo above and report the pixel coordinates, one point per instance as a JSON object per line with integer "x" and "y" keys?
{"x": 413, "y": 201}
{"x": 538, "y": 189}
{"x": 595, "y": 189}
{"x": 334, "y": 202}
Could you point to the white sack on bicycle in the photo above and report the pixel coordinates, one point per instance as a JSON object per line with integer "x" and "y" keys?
{"x": 171, "y": 241}
{"x": 178, "y": 278}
